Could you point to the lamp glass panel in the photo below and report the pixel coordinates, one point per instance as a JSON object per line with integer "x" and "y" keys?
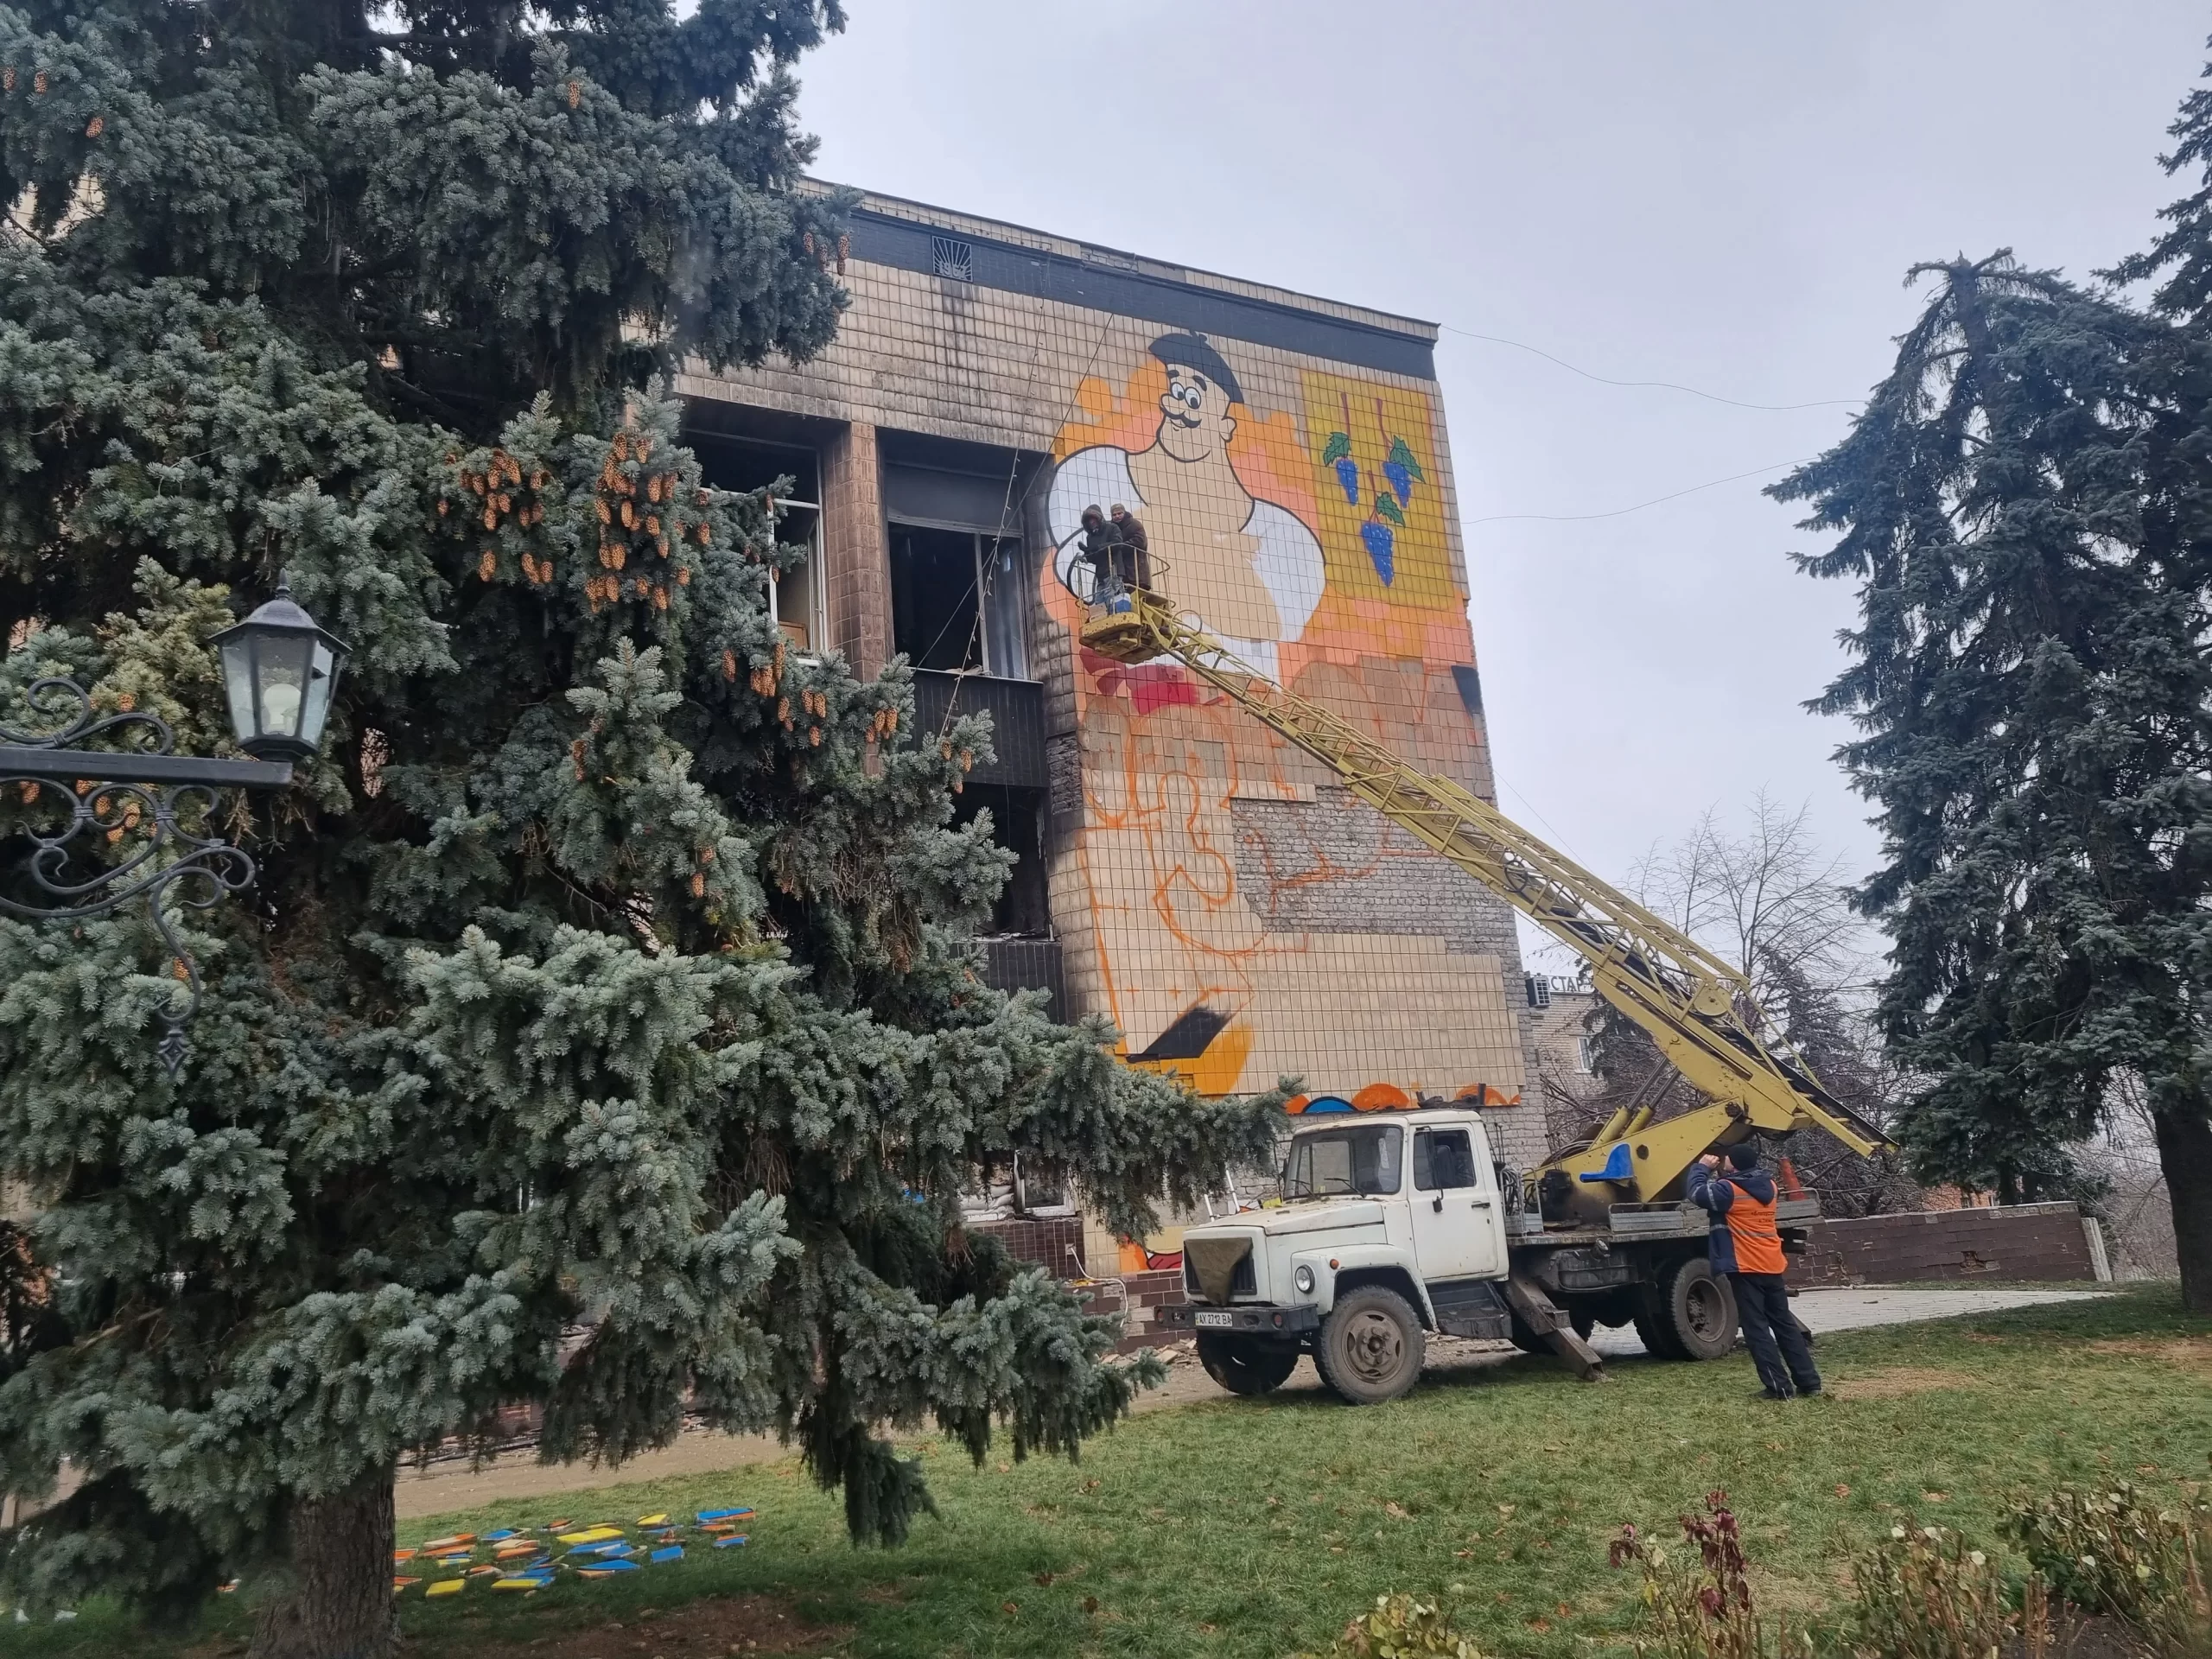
{"x": 238, "y": 686}
{"x": 321, "y": 669}
{"x": 281, "y": 666}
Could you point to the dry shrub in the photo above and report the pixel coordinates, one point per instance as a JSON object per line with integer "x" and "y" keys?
{"x": 1921, "y": 1594}
{"x": 2113, "y": 1550}
{"x": 1698, "y": 1605}
{"x": 1402, "y": 1627}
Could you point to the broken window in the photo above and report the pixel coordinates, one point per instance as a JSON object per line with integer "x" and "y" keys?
{"x": 959, "y": 601}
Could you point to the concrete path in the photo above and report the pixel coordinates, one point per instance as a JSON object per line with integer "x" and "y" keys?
{"x": 1846, "y": 1310}
{"x": 456, "y": 1486}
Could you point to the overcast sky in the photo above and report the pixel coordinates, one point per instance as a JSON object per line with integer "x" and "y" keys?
{"x": 1725, "y": 195}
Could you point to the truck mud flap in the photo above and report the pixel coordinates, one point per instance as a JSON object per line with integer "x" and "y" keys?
{"x": 1541, "y": 1314}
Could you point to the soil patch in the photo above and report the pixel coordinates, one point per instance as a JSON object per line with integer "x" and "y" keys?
{"x": 1898, "y": 1382}
{"x": 711, "y": 1628}
{"x": 2190, "y": 1353}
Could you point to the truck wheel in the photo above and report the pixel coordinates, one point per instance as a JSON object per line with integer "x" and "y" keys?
{"x": 1653, "y": 1331}
{"x": 1524, "y": 1336}
{"x": 1243, "y": 1366}
{"x": 1372, "y": 1346}
{"x": 1695, "y": 1312}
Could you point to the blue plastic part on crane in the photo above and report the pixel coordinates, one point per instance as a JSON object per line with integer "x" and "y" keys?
{"x": 1619, "y": 1165}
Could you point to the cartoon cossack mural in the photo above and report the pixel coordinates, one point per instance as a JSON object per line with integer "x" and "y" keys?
{"x": 1235, "y": 915}
{"x": 1260, "y": 568}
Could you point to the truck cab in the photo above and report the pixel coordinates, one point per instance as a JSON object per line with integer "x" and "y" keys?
{"x": 1392, "y": 1224}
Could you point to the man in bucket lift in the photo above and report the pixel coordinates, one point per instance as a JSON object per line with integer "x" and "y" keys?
{"x": 1744, "y": 1245}
{"x": 1111, "y": 559}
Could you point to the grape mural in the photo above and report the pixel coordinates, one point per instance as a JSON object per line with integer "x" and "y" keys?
{"x": 1388, "y": 499}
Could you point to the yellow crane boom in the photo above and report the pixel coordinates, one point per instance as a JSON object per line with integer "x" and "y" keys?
{"x": 1696, "y": 1006}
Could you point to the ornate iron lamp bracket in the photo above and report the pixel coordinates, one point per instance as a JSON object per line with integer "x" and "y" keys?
{"x": 137, "y": 792}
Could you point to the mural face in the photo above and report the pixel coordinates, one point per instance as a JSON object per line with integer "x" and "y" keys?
{"x": 1236, "y": 914}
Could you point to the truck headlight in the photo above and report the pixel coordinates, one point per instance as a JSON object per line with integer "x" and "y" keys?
{"x": 1303, "y": 1278}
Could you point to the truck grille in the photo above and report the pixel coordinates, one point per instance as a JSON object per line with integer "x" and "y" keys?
{"x": 1243, "y": 1281}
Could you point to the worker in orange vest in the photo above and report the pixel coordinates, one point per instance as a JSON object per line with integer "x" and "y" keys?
{"x": 1744, "y": 1245}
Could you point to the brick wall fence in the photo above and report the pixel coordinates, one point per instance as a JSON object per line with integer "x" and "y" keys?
{"x": 2026, "y": 1241}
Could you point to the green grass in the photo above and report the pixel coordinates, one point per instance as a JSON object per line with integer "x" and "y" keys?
{"x": 1257, "y": 1527}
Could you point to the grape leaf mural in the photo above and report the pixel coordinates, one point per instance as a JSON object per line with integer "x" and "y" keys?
{"x": 1339, "y": 452}
{"x": 1402, "y": 470}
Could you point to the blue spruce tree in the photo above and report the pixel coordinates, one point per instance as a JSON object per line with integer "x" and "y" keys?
{"x": 2026, "y": 505}
{"x": 604, "y": 974}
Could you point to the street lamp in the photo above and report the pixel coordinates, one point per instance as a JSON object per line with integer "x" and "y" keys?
{"x": 279, "y": 671}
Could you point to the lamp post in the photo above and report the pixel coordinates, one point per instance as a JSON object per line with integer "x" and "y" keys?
{"x": 279, "y": 672}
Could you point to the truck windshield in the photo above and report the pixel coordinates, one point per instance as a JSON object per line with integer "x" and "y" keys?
{"x": 1359, "y": 1158}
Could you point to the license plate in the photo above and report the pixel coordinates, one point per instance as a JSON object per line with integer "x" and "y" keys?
{"x": 1213, "y": 1321}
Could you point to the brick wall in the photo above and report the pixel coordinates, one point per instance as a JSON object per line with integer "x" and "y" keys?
{"x": 1137, "y": 1296}
{"x": 1046, "y": 1242}
{"x": 2029, "y": 1240}
{"x": 854, "y": 551}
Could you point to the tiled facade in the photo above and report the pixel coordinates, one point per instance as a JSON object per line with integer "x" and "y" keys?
{"x": 1238, "y": 915}
{"x": 1558, "y": 1023}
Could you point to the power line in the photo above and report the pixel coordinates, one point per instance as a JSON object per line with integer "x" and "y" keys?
{"x": 1578, "y": 518}
{"x": 1666, "y": 386}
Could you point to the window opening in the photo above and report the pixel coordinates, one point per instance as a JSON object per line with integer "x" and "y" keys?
{"x": 1006, "y": 605}
{"x": 1442, "y": 1161}
{"x": 933, "y": 597}
{"x": 959, "y": 601}
{"x": 1365, "y": 1160}
{"x": 797, "y": 601}
{"x": 1582, "y": 1056}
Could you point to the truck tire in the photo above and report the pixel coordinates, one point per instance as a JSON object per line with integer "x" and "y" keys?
{"x": 1653, "y": 1331}
{"x": 1371, "y": 1347}
{"x": 1243, "y": 1366}
{"x": 1692, "y": 1315}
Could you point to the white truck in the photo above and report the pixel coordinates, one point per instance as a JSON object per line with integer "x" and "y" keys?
{"x": 1394, "y": 1225}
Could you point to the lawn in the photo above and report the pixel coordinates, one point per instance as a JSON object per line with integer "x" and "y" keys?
{"x": 1257, "y": 1528}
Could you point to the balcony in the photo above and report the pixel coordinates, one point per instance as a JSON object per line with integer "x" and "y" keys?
{"x": 1017, "y": 712}
{"x": 1027, "y": 965}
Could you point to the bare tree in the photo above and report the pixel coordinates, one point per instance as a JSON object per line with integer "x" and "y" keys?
{"x": 1773, "y": 901}
{"x": 2122, "y": 1161}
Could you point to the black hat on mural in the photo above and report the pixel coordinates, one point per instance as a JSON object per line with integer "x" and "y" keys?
{"x": 1192, "y": 351}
